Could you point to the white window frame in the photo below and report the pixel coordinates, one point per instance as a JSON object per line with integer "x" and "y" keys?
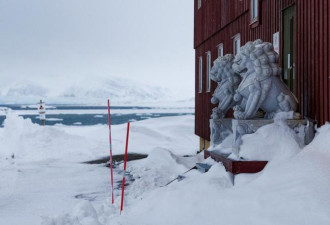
{"x": 236, "y": 44}
{"x": 254, "y": 10}
{"x": 220, "y": 50}
{"x": 208, "y": 71}
{"x": 199, "y": 4}
{"x": 200, "y": 75}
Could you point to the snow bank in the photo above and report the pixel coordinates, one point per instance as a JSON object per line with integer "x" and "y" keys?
{"x": 158, "y": 169}
{"x": 21, "y": 139}
{"x": 321, "y": 142}
{"x": 83, "y": 214}
{"x": 293, "y": 191}
{"x": 46, "y": 176}
{"x": 274, "y": 142}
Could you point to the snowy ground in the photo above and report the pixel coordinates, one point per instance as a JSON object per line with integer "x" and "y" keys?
{"x": 41, "y": 182}
{"x": 41, "y": 170}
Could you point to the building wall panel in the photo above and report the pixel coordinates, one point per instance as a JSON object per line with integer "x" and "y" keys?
{"x": 219, "y": 20}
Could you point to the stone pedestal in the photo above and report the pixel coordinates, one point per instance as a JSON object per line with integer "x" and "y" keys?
{"x": 222, "y": 128}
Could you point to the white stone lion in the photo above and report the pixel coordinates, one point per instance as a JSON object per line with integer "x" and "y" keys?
{"x": 228, "y": 81}
{"x": 261, "y": 86}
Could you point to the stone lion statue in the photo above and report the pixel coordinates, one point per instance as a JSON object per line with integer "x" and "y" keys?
{"x": 261, "y": 86}
{"x": 228, "y": 81}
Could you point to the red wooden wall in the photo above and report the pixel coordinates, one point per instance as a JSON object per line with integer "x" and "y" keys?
{"x": 313, "y": 58}
{"x": 217, "y": 21}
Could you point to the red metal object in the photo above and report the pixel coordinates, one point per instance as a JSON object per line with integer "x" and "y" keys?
{"x": 125, "y": 163}
{"x": 110, "y": 142}
{"x": 217, "y": 21}
{"x": 236, "y": 167}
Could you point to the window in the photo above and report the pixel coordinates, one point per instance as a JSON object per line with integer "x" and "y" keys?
{"x": 199, "y": 3}
{"x": 220, "y": 50}
{"x": 254, "y": 10}
{"x": 200, "y": 74}
{"x": 208, "y": 70}
{"x": 237, "y": 43}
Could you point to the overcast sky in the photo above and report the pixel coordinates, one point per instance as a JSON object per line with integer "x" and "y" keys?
{"x": 64, "y": 41}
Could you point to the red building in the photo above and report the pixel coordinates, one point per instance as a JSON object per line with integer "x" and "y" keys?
{"x": 299, "y": 30}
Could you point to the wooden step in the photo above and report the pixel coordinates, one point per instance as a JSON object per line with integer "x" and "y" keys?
{"x": 236, "y": 167}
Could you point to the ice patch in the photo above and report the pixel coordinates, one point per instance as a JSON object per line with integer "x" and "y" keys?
{"x": 54, "y": 119}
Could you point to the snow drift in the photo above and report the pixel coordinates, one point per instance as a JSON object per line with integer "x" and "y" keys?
{"x": 295, "y": 190}
{"x": 274, "y": 142}
{"x": 46, "y": 175}
{"x": 292, "y": 190}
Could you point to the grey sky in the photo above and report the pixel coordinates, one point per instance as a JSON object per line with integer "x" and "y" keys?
{"x": 51, "y": 41}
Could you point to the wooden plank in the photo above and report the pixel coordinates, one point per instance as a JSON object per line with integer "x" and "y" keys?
{"x": 309, "y": 43}
{"x": 317, "y": 26}
{"x": 320, "y": 65}
{"x": 297, "y": 53}
{"x": 297, "y": 50}
{"x": 327, "y": 58}
{"x": 312, "y": 48}
{"x": 305, "y": 64}
{"x": 300, "y": 58}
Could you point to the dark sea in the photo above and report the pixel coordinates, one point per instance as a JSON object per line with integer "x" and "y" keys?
{"x": 74, "y": 115}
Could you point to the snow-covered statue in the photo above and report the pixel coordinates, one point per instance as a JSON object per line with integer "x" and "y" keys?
{"x": 228, "y": 81}
{"x": 261, "y": 86}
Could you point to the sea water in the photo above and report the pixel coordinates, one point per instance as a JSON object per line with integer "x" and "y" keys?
{"x": 74, "y": 115}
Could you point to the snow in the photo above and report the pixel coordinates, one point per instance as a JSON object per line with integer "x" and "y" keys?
{"x": 38, "y": 186}
{"x": 42, "y": 174}
{"x": 322, "y": 141}
{"x": 274, "y": 142}
{"x": 25, "y": 140}
{"x": 294, "y": 192}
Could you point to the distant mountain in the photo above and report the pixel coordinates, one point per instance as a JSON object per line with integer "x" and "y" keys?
{"x": 18, "y": 90}
{"x": 95, "y": 92}
{"x": 119, "y": 90}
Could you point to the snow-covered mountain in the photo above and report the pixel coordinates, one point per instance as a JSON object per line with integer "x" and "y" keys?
{"x": 19, "y": 90}
{"x": 94, "y": 91}
{"x": 119, "y": 90}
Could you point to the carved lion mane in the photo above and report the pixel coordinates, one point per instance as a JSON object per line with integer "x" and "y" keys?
{"x": 261, "y": 86}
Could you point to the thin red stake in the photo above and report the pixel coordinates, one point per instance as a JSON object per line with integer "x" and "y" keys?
{"x": 125, "y": 162}
{"x": 110, "y": 142}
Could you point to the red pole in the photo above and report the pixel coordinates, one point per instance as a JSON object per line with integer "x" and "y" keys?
{"x": 125, "y": 162}
{"x": 110, "y": 142}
